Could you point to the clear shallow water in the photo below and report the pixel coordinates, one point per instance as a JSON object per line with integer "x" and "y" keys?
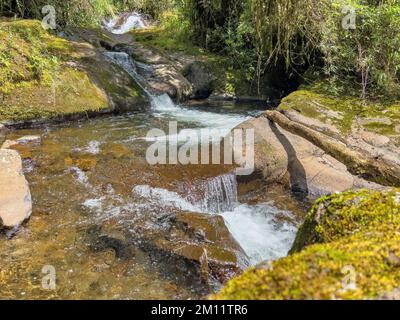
{"x": 93, "y": 175}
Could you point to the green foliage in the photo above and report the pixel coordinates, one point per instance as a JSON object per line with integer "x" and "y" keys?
{"x": 259, "y": 34}
{"x": 71, "y": 12}
{"x": 26, "y": 55}
{"x": 81, "y": 12}
{"x": 367, "y": 56}
{"x": 155, "y": 8}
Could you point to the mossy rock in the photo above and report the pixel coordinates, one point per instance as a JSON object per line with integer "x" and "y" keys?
{"x": 339, "y": 215}
{"x": 344, "y": 112}
{"x": 361, "y": 259}
{"x": 43, "y": 76}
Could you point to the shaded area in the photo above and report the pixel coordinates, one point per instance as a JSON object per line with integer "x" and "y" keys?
{"x": 297, "y": 173}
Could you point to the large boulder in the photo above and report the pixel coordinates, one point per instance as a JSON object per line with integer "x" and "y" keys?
{"x": 81, "y": 83}
{"x": 282, "y": 157}
{"x": 200, "y": 241}
{"x": 344, "y": 214}
{"x": 369, "y": 129}
{"x": 15, "y": 196}
{"x": 200, "y": 76}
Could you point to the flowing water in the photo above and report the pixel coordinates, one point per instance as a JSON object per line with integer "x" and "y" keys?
{"x": 125, "y": 23}
{"x": 105, "y": 218}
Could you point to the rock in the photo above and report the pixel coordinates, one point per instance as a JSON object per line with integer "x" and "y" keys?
{"x": 21, "y": 141}
{"x": 271, "y": 161}
{"x": 3, "y": 129}
{"x": 29, "y": 140}
{"x": 86, "y": 83}
{"x": 354, "y": 231}
{"x": 201, "y": 79}
{"x": 158, "y": 74}
{"x": 15, "y": 196}
{"x": 308, "y": 169}
{"x": 99, "y": 239}
{"x": 312, "y": 123}
{"x": 344, "y": 214}
{"x": 189, "y": 235}
{"x": 366, "y": 121}
{"x": 8, "y": 144}
{"x": 374, "y": 136}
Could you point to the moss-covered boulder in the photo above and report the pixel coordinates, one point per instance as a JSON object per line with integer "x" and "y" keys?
{"x": 336, "y": 216}
{"x": 369, "y": 127}
{"x": 43, "y": 76}
{"x": 359, "y": 259}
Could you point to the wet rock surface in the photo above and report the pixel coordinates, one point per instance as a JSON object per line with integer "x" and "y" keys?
{"x": 15, "y": 196}
{"x": 201, "y": 78}
{"x": 191, "y": 237}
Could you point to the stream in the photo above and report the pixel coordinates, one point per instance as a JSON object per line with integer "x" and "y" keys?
{"x": 106, "y": 220}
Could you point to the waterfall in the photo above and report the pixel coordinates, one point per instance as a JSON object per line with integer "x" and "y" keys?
{"x": 221, "y": 193}
{"x": 125, "y": 23}
{"x": 259, "y": 229}
{"x": 125, "y": 62}
{"x": 163, "y": 102}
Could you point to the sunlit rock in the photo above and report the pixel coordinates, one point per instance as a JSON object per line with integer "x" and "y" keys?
{"x": 15, "y": 196}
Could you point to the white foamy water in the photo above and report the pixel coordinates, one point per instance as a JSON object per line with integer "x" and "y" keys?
{"x": 255, "y": 229}
{"x": 253, "y": 226}
{"x": 93, "y": 147}
{"x": 164, "y": 106}
{"x": 81, "y": 176}
{"x": 167, "y": 198}
{"x": 124, "y": 24}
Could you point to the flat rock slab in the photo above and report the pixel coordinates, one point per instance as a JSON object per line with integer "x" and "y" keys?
{"x": 309, "y": 169}
{"x": 15, "y": 196}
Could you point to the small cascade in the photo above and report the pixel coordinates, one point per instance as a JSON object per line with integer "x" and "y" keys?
{"x": 161, "y": 103}
{"x": 125, "y": 62}
{"x": 126, "y": 22}
{"x": 221, "y": 193}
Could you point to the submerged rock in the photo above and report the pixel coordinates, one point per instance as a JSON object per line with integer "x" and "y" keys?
{"x": 15, "y": 196}
{"x": 29, "y": 140}
{"x": 8, "y": 144}
{"x": 100, "y": 239}
{"x": 186, "y": 237}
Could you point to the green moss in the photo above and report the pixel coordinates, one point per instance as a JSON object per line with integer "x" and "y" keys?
{"x": 44, "y": 76}
{"x": 340, "y": 215}
{"x": 315, "y": 101}
{"x": 72, "y": 91}
{"x": 362, "y": 249}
